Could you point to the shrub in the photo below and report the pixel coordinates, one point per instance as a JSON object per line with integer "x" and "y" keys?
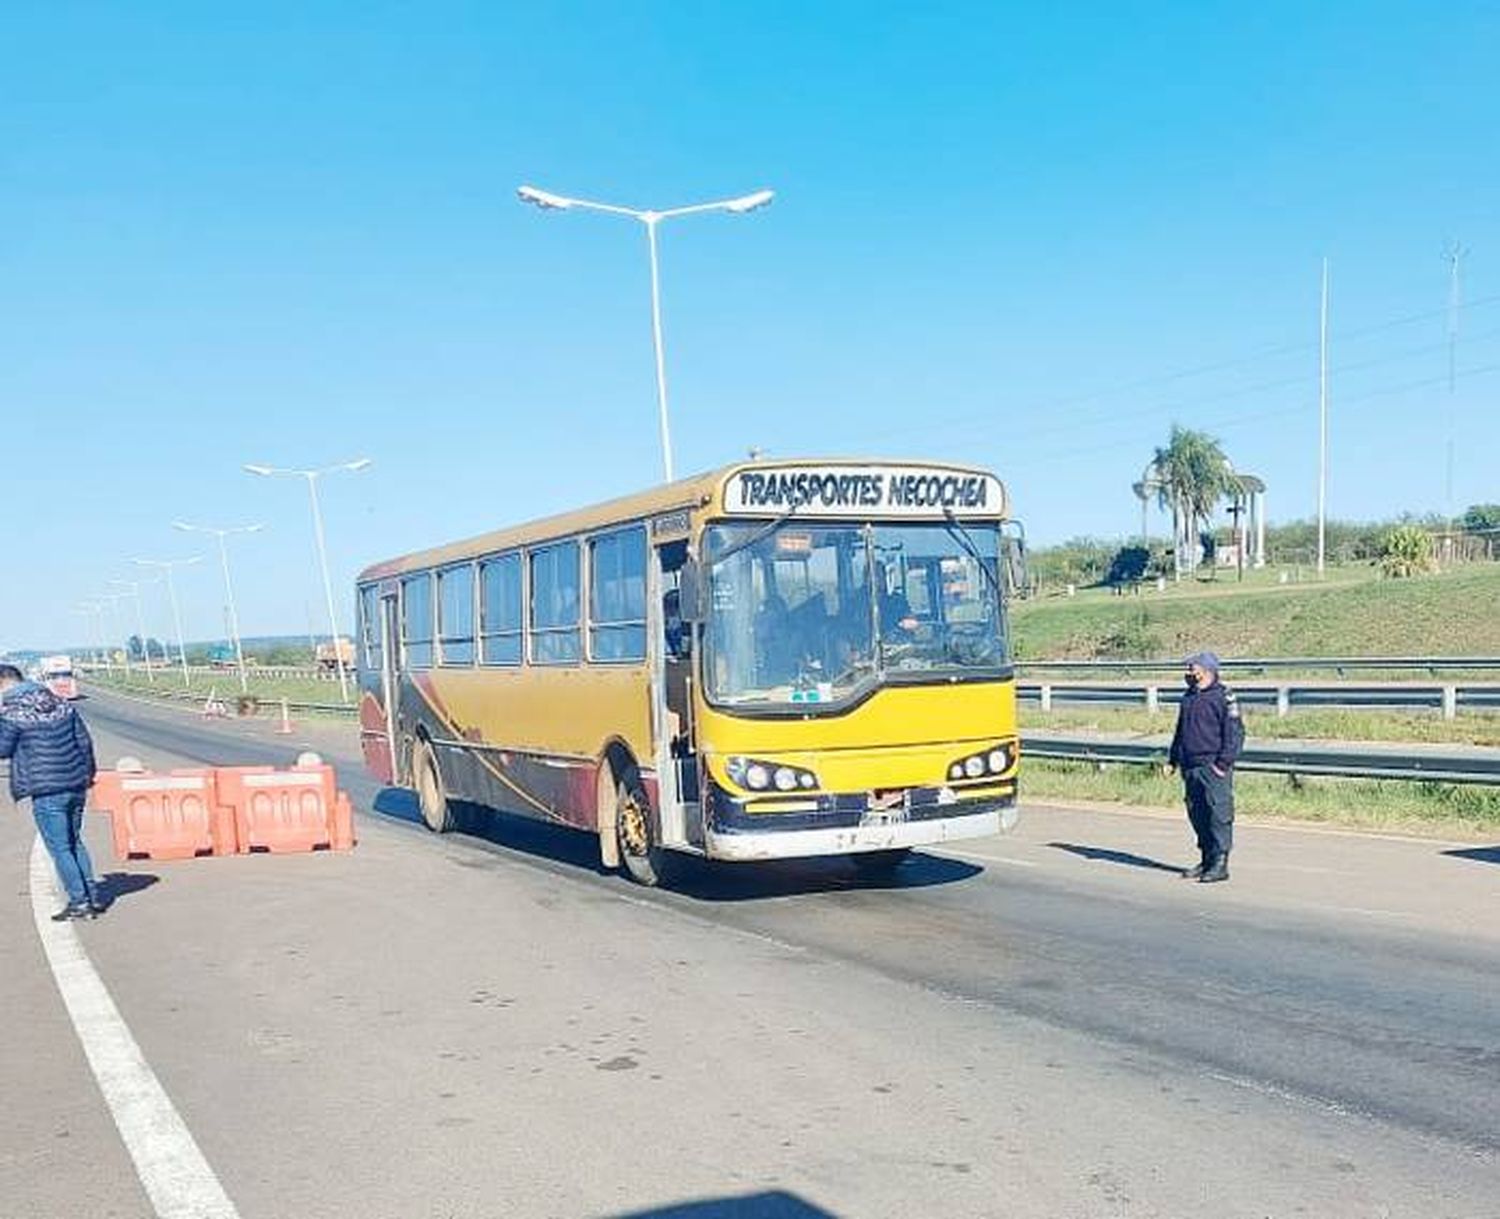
{"x": 1406, "y": 551}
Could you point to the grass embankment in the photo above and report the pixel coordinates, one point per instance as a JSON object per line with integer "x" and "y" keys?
{"x": 1354, "y": 612}
{"x": 1438, "y": 809}
{"x": 1311, "y": 724}
{"x": 224, "y": 686}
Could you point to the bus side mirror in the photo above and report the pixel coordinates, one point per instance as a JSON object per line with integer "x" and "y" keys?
{"x": 1015, "y": 559}
{"x": 690, "y": 593}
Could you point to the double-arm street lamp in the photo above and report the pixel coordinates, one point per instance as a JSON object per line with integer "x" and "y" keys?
{"x": 166, "y": 566}
{"x": 234, "y": 617}
{"x": 114, "y": 612}
{"x": 133, "y": 588}
{"x": 650, "y": 218}
{"x": 94, "y": 612}
{"x": 312, "y": 477}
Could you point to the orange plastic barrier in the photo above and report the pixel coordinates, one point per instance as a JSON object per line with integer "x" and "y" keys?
{"x": 172, "y": 816}
{"x": 300, "y": 809}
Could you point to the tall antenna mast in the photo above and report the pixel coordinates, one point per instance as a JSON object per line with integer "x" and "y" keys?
{"x": 1323, "y": 420}
{"x": 1454, "y": 256}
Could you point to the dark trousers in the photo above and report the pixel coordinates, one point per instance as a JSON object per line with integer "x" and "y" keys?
{"x": 1210, "y": 807}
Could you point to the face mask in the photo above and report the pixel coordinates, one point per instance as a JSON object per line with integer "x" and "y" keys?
{"x": 1190, "y": 680}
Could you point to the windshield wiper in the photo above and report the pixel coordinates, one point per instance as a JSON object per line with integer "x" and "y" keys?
{"x": 956, "y": 529}
{"x": 759, "y": 535}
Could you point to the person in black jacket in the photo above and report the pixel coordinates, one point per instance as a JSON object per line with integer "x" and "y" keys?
{"x": 51, "y": 762}
{"x": 1208, "y": 739}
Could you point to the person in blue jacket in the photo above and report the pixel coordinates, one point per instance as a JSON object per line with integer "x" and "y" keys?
{"x": 1209, "y": 736}
{"x": 52, "y": 763}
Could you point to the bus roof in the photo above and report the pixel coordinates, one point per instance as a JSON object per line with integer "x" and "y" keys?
{"x": 819, "y": 487}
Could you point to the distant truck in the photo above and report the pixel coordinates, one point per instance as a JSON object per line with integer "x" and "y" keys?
{"x": 57, "y": 675}
{"x": 328, "y": 656}
{"x": 221, "y": 656}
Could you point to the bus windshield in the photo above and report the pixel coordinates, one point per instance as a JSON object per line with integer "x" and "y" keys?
{"x": 811, "y": 614}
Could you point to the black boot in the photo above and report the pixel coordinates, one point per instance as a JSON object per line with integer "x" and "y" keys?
{"x": 1218, "y": 869}
{"x": 73, "y": 910}
{"x": 1197, "y": 869}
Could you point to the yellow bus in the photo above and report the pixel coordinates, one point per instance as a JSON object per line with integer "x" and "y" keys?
{"x": 777, "y": 659}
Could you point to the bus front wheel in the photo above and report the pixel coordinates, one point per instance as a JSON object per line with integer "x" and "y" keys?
{"x": 436, "y": 811}
{"x": 640, "y": 854}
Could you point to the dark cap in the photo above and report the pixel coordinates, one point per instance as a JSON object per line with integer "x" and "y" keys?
{"x": 1206, "y": 660}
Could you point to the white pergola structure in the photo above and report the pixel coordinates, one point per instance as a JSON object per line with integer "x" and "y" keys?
{"x": 1250, "y": 518}
{"x": 1248, "y": 500}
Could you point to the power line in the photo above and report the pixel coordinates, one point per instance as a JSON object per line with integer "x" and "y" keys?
{"x": 1244, "y": 417}
{"x": 1245, "y": 391}
{"x": 1051, "y": 405}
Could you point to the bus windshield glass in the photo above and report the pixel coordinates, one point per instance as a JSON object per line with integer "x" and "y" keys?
{"x": 807, "y": 614}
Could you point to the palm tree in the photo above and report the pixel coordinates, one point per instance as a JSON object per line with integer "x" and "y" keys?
{"x": 1191, "y": 476}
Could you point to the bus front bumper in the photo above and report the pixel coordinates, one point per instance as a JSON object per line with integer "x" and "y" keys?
{"x": 746, "y": 844}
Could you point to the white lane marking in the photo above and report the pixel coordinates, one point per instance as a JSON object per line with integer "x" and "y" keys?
{"x": 176, "y": 1177}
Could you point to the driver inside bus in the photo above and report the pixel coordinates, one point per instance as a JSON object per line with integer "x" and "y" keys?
{"x": 775, "y": 646}
{"x": 897, "y": 622}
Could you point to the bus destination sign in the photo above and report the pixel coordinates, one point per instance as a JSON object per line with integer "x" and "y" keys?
{"x": 873, "y": 490}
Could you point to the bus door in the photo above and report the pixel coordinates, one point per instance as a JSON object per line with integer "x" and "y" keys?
{"x": 676, "y": 761}
{"x": 389, "y": 628}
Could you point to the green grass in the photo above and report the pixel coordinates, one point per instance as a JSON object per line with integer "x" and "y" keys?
{"x": 225, "y": 686}
{"x": 1310, "y": 724}
{"x": 1442, "y": 809}
{"x": 1353, "y": 612}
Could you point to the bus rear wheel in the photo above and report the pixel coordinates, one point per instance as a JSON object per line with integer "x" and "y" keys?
{"x": 641, "y": 856}
{"x": 436, "y": 811}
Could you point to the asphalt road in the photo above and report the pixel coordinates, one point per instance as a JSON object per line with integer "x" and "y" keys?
{"x": 1048, "y": 1024}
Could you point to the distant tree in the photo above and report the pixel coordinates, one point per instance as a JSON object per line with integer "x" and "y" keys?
{"x": 1076, "y": 561}
{"x": 1407, "y": 552}
{"x": 1482, "y": 518}
{"x": 1133, "y": 563}
{"x": 1129, "y": 565}
{"x": 1193, "y": 475}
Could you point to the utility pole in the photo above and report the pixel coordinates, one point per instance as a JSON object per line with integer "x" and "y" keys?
{"x": 1323, "y": 421}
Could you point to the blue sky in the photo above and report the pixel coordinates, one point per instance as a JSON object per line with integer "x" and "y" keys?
{"x": 1027, "y": 236}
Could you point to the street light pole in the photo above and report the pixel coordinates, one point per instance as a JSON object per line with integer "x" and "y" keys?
{"x": 312, "y": 477}
{"x": 95, "y": 614}
{"x": 114, "y": 613}
{"x": 166, "y": 565}
{"x": 234, "y": 617}
{"x": 650, "y": 218}
{"x": 140, "y": 624}
{"x": 661, "y": 359}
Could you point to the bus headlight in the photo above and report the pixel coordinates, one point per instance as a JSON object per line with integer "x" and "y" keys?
{"x": 995, "y": 760}
{"x": 758, "y": 776}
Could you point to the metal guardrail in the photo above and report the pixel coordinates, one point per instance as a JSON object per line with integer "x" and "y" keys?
{"x": 1300, "y": 758}
{"x": 1449, "y": 698}
{"x": 305, "y": 672}
{"x": 265, "y": 704}
{"x": 1336, "y": 664}
{"x": 1287, "y": 758}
